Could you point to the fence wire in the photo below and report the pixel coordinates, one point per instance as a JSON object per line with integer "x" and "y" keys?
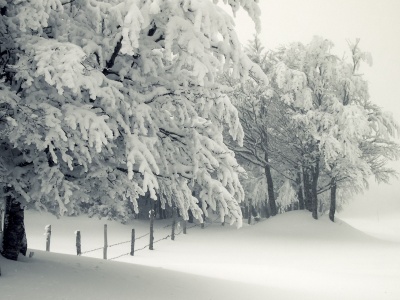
{"x": 119, "y": 256}
{"x": 116, "y": 244}
{"x": 88, "y": 251}
{"x": 125, "y": 254}
{"x": 144, "y": 235}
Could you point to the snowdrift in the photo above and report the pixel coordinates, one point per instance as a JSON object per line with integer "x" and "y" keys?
{"x": 290, "y": 256}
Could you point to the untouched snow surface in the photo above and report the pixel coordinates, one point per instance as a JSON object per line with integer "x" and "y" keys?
{"x": 290, "y": 256}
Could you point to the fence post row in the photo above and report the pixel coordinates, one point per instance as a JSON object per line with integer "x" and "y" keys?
{"x": 48, "y": 236}
{"x": 105, "y": 242}
{"x": 78, "y": 242}
{"x": 133, "y": 236}
{"x": 133, "y": 242}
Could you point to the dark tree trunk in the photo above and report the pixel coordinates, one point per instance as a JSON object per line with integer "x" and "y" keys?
{"x": 160, "y": 211}
{"x": 190, "y": 212}
{"x": 151, "y": 216}
{"x": 174, "y": 213}
{"x": 244, "y": 211}
{"x": 332, "y": 208}
{"x": 300, "y": 192}
{"x": 249, "y": 217}
{"x": 266, "y": 209}
{"x": 307, "y": 190}
{"x": 1, "y": 219}
{"x": 14, "y": 238}
{"x": 315, "y": 176}
{"x": 190, "y": 216}
{"x": 271, "y": 194}
{"x": 268, "y": 175}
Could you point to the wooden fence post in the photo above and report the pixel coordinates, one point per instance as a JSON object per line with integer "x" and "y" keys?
{"x": 133, "y": 242}
{"x": 48, "y": 237}
{"x": 78, "y": 242}
{"x": 151, "y": 215}
{"x": 105, "y": 242}
{"x": 184, "y": 226}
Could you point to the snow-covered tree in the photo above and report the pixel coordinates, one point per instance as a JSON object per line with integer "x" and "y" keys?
{"x": 287, "y": 196}
{"x": 329, "y": 97}
{"x": 270, "y": 134}
{"x": 322, "y": 129}
{"x": 104, "y": 101}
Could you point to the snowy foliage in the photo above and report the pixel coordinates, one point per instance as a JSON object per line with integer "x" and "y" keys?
{"x": 103, "y": 102}
{"x": 286, "y": 196}
{"x": 328, "y": 98}
{"x": 314, "y": 124}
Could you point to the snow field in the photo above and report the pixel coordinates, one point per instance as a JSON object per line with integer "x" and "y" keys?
{"x": 290, "y": 256}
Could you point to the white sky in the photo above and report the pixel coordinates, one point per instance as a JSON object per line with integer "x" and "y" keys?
{"x": 376, "y": 23}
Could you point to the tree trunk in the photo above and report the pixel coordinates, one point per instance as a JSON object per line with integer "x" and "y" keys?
{"x": 315, "y": 176}
{"x": 266, "y": 210}
{"x": 151, "y": 216}
{"x": 249, "y": 217}
{"x": 300, "y": 192}
{"x": 14, "y": 238}
{"x": 268, "y": 175}
{"x": 160, "y": 211}
{"x": 190, "y": 212}
{"x": 270, "y": 183}
{"x": 190, "y": 216}
{"x": 307, "y": 190}
{"x": 244, "y": 211}
{"x": 174, "y": 212}
{"x": 1, "y": 219}
{"x": 332, "y": 208}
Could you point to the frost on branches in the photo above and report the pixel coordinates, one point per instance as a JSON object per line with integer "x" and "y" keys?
{"x": 102, "y": 102}
{"x": 339, "y": 119}
{"x": 314, "y": 126}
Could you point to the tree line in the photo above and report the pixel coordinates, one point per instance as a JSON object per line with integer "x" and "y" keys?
{"x": 313, "y": 137}
{"x": 106, "y": 103}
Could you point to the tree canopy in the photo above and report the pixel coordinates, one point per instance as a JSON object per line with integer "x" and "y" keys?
{"x": 105, "y": 101}
{"x": 314, "y": 126}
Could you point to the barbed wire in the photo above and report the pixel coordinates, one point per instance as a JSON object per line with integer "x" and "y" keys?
{"x": 119, "y": 243}
{"x": 142, "y": 248}
{"x": 142, "y": 236}
{"x": 164, "y": 238}
{"x": 116, "y": 244}
{"x": 125, "y": 254}
{"x": 84, "y": 252}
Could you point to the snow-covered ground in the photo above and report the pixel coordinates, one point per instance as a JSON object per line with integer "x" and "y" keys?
{"x": 290, "y": 256}
{"x": 377, "y": 211}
